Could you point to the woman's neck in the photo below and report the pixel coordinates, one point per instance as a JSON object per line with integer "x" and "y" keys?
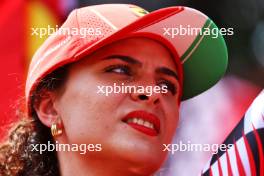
{"x": 74, "y": 163}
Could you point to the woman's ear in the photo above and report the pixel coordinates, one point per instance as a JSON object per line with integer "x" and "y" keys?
{"x": 45, "y": 107}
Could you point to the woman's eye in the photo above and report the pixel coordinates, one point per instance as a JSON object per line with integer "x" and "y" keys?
{"x": 119, "y": 69}
{"x": 167, "y": 85}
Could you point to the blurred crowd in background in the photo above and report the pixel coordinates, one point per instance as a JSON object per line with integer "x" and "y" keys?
{"x": 207, "y": 118}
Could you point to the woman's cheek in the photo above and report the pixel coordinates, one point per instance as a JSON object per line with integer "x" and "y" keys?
{"x": 172, "y": 119}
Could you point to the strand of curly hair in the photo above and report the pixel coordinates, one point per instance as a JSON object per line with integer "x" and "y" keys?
{"x": 17, "y": 157}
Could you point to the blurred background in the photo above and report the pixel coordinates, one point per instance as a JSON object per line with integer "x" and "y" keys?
{"x": 207, "y": 118}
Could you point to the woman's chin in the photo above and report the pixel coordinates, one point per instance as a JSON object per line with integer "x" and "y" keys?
{"x": 144, "y": 156}
{"x": 145, "y": 163}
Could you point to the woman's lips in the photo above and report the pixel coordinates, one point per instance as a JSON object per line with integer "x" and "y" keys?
{"x": 144, "y": 122}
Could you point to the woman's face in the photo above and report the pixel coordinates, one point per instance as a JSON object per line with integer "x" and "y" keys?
{"x": 131, "y": 127}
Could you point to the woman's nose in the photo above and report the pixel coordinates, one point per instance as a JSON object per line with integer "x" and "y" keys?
{"x": 152, "y": 98}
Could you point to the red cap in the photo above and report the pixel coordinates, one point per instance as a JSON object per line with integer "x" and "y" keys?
{"x": 103, "y": 24}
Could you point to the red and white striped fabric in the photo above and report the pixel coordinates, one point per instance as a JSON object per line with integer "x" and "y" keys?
{"x": 246, "y": 156}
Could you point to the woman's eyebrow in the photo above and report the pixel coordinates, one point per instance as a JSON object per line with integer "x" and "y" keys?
{"x": 167, "y": 71}
{"x": 127, "y": 59}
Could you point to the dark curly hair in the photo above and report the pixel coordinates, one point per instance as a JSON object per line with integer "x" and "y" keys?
{"x": 17, "y": 157}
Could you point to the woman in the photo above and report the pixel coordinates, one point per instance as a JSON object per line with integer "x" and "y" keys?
{"x": 118, "y": 133}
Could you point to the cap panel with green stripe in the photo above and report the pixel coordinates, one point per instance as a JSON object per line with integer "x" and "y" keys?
{"x": 203, "y": 54}
{"x": 205, "y": 61}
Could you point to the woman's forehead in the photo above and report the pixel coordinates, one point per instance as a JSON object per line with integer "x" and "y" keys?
{"x": 142, "y": 49}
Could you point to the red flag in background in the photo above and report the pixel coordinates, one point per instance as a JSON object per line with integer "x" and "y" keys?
{"x": 12, "y": 47}
{"x": 17, "y": 46}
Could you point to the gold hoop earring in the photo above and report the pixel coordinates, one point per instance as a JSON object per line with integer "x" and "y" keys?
{"x": 56, "y": 130}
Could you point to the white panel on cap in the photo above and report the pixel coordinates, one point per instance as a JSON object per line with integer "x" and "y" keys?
{"x": 188, "y": 16}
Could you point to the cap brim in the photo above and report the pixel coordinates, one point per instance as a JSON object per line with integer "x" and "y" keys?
{"x": 203, "y": 56}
